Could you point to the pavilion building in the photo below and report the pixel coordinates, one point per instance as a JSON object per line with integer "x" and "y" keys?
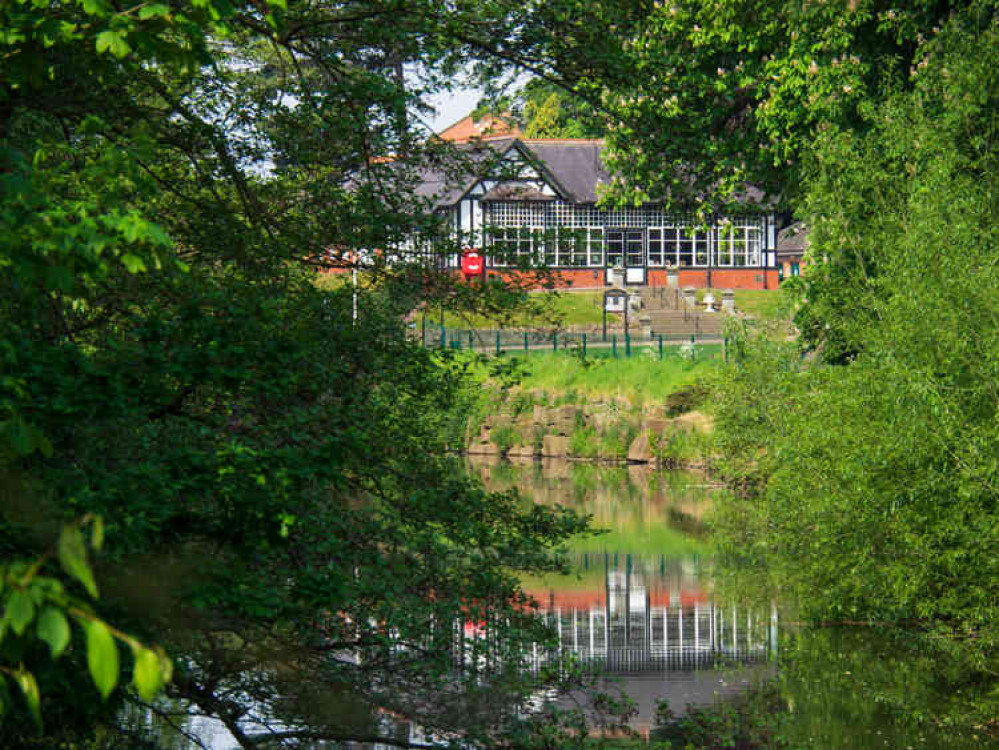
{"x": 534, "y": 201}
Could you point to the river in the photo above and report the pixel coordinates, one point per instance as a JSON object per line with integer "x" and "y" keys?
{"x": 651, "y": 607}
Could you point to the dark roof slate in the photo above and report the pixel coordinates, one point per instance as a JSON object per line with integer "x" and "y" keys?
{"x": 573, "y": 168}
{"x": 445, "y": 188}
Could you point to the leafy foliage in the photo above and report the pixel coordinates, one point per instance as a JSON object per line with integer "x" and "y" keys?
{"x": 269, "y": 469}
{"x": 870, "y": 486}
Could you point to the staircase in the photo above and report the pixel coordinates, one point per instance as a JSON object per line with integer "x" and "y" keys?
{"x": 672, "y": 318}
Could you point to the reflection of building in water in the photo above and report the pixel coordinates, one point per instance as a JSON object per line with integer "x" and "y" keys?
{"x": 647, "y": 615}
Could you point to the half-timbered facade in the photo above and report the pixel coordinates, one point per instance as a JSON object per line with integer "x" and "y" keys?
{"x": 535, "y": 202}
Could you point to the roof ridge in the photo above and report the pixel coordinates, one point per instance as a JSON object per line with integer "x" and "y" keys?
{"x": 565, "y": 141}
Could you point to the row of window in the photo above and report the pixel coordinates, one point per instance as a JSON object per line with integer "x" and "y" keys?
{"x": 561, "y": 214}
{"x": 595, "y": 246}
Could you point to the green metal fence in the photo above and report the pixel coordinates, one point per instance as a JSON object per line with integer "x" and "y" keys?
{"x": 615, "y": 344}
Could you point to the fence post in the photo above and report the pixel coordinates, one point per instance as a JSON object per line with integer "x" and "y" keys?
{"x": 525, "y": 342}
{"x": 584, "y": 344}
{"x": 627, "y": 344}
{"x": 614, "y": 344}
{"x": 554, "y": 341}
{"x": 660, "y": 346}
{"x": 725, "y": 350}
{"x": 443, "y": 337}
{"x": 693, "y": 347}
{"x": 497, "y": 342}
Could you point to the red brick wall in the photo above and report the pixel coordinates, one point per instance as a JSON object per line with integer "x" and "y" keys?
{"x": 721, "y": 278}
{"x": 575, "y": 278}
{"x": 744, "y": 278}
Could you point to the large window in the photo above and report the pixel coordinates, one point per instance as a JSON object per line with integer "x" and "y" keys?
{"x": 739, "y": 243}
{"x": 514, "y": 245}
{"x": 565, "y": 247}
{"x": 657, "y": 251}
{"x": 558, "y": 248}
{"x": 678, "y": 246}
{"x": 577, "y": 248}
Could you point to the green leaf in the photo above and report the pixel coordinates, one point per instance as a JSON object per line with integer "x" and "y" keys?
{"x": 102, "y": 657}
{"x": 20, "y": 611}
{"x": 26, "y": 681}
{"x": 97, "y": 533}
{"x": 113, "y": 42}
{"x": 153, "y": 11}
{"x": 73, "y": 556}
{"x": 133, "y": 263}
{"x": 95, "y": 7}
{"x": 54, "y": 630}
{"x": 148, "y": 675}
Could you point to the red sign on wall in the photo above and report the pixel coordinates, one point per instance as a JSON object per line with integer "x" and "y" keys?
{"x": 471, "y": 263}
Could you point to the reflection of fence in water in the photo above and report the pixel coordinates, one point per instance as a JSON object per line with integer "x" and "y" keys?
{"x": 662, "y": 638}
{"x": 655, "y": 618}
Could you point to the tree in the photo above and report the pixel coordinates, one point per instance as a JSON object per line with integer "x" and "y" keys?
{"x": 887, "y": 517}
{"x": 277, "y": 510}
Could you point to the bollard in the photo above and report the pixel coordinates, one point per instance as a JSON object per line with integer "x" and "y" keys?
{"x": 614, "y": 345}
{"x": 554, "y": 341}
{"x": 525, "y": 342}
{"x": 497, "y": 342}
{"x": 627, "y": 344}
{"x": 660, "y": 346}
{"x": 470, "y": 343}
{"x": 584, "y": 344}
{"x": 443, "y": 338}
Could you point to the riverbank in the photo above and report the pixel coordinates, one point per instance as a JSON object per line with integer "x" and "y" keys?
{"x": 642, "y": 410}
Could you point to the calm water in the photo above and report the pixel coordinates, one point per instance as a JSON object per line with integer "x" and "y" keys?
{"x": 651, "y": 609}
{"x": 648, "y": 608}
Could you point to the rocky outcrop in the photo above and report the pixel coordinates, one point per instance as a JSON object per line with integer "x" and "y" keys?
{"x": 521, "y": 451}
{"x": 555, "y": 446}
{"x": 653, "y": 439}
{"x": 598, "y": 430}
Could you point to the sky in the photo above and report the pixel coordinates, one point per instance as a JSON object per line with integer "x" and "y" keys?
{"x": 451, "y": 106}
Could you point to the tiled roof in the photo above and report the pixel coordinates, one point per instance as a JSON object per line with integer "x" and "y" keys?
{"x": 792, "y": 240}
{"x": 447, "y": 189}
{"x": 489, "y": 126}
{"x": 573, "y": 167}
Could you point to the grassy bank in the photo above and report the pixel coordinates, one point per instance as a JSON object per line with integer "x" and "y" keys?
{"x": 543, "y": 310}
{"x": 640, "y": 379}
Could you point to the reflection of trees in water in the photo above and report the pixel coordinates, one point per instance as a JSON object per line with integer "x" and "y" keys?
{"x": 862, "y": 688}
{"x": 577, "y": 483}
